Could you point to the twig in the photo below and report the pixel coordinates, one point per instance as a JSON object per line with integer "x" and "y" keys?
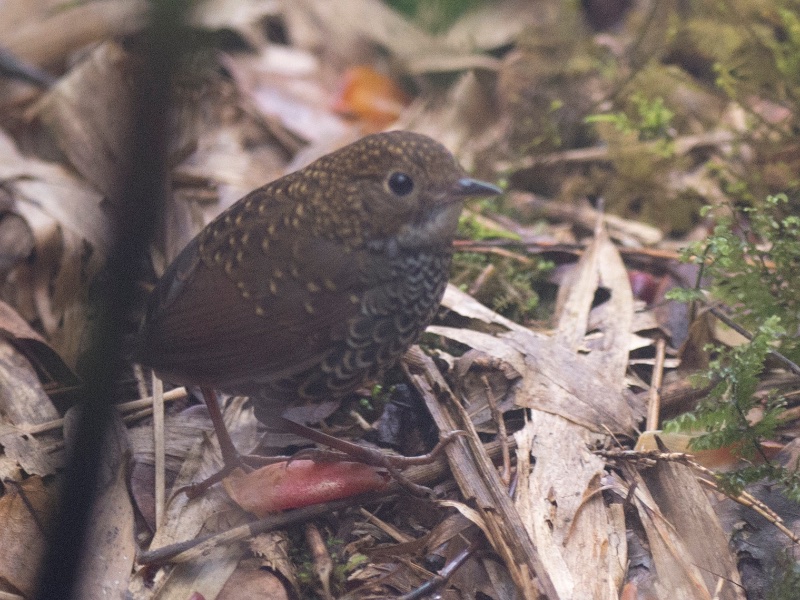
{"x": 126, "y": 407}
{"x": 323, "y": 564}
{"x": 392, "y": 532}
{"x": 682, "y": 145}
{"x": 481, "y": 279}
{"x": 497, "y": 416}
{"x": 439, "y": 580}
{"x": 654, "y": 405}
{"x": 159, "y": 448}
{"x": 750, "y": 501}
{"x": 540, "y": 246}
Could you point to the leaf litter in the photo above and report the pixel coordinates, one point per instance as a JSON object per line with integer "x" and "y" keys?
{"x": 573, "y": 521}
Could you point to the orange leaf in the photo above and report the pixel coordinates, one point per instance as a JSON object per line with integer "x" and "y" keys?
{"x": 371, "y": 97}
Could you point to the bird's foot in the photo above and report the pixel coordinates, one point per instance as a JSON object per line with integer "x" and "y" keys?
{"x": 245, "y": 462}
{"x": 230, "y": 456}
{"x": 344, "y": 450}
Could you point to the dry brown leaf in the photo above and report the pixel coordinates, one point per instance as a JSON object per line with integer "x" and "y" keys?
{"x": 111, "y": 546}
{"x": 185, "y": 519}
{"x": 21, "y": 536}
{"x": 581, "y": 539}
{"x": 582, "y": 382}
{"x": 272, "y": 551}
{"x": 344, "y": 26}
{"x": 685, "y": 505}
{"x": 41, "y": 354}
{"x": 466, "y": 306}
{"x": 72, "y": 234}
{"x": 573, "y": 382}
{"x": 554, "y": 379}
{"x": 690, "y": 550}
{"x": 584, "y": 377}
{"x": 23, "y": 403}
{"x": 55, "y": 30}
{"x": 254, "y": 583}
{"x": 89, "y": 113}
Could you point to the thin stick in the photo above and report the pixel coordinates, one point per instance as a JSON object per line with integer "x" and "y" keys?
{"x": 125, "y": 407}
{"x": 439, "y": 580}
{"x": 649, "y": 458}
{"x": 159, "y": 448}
{"x": 505, "y": 475}
{"x": 654, "y": 404}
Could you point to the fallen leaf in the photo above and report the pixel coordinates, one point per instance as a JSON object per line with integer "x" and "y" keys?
{"x": 21, "y": 537}
{"x": 298, "y": 483}
{"x": 370, "y": 96}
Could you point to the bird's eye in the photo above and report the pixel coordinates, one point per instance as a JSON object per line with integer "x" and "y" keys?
{"x": 400, "y": 183}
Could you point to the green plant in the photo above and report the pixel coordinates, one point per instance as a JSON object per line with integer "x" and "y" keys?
{"x": 752, "y": 260}
{"x": 435, "y": 15}
{"x": 650, "y": 120}
{"x": 508, "y": 287}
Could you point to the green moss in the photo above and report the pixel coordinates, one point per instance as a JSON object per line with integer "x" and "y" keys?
{"x": 511, "y": 288}
{"x": 434, "y": 15}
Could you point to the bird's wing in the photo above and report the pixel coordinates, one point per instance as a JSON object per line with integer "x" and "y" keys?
{"x": 253, "y": 311}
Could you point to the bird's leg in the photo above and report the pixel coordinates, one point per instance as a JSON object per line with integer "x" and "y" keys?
{"x": 230, "y": 455}
{"x": 370, "y": 456}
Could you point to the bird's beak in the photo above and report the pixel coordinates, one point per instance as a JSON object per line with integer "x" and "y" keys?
{"x": 468, "y": 188}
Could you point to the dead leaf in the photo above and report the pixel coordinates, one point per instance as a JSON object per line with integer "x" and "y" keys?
{"x": 253, "y": 583}
{"x": 51, "y": 35}
{"x": 89, "y": 112}
{"x": 111, "y": 545}
{"x": 581, "y": 539}
{"x": 24, "y": 403}
{"x": 476, "y": 377}
{"x": 21, "y": 536}
{"x": 690, "y": 550}
{"x": 72, "y": 233}
{"x": 273, "y": 552}
{"x": 299, "y": 483}
{"x": 371, "y": 96}
{"x": 48, "y": 364}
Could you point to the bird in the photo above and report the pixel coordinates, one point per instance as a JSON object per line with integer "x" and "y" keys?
{"x": 315, "y": 284}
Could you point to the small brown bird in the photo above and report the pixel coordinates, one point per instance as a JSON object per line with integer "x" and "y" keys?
{"x": 316, "y": 283}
